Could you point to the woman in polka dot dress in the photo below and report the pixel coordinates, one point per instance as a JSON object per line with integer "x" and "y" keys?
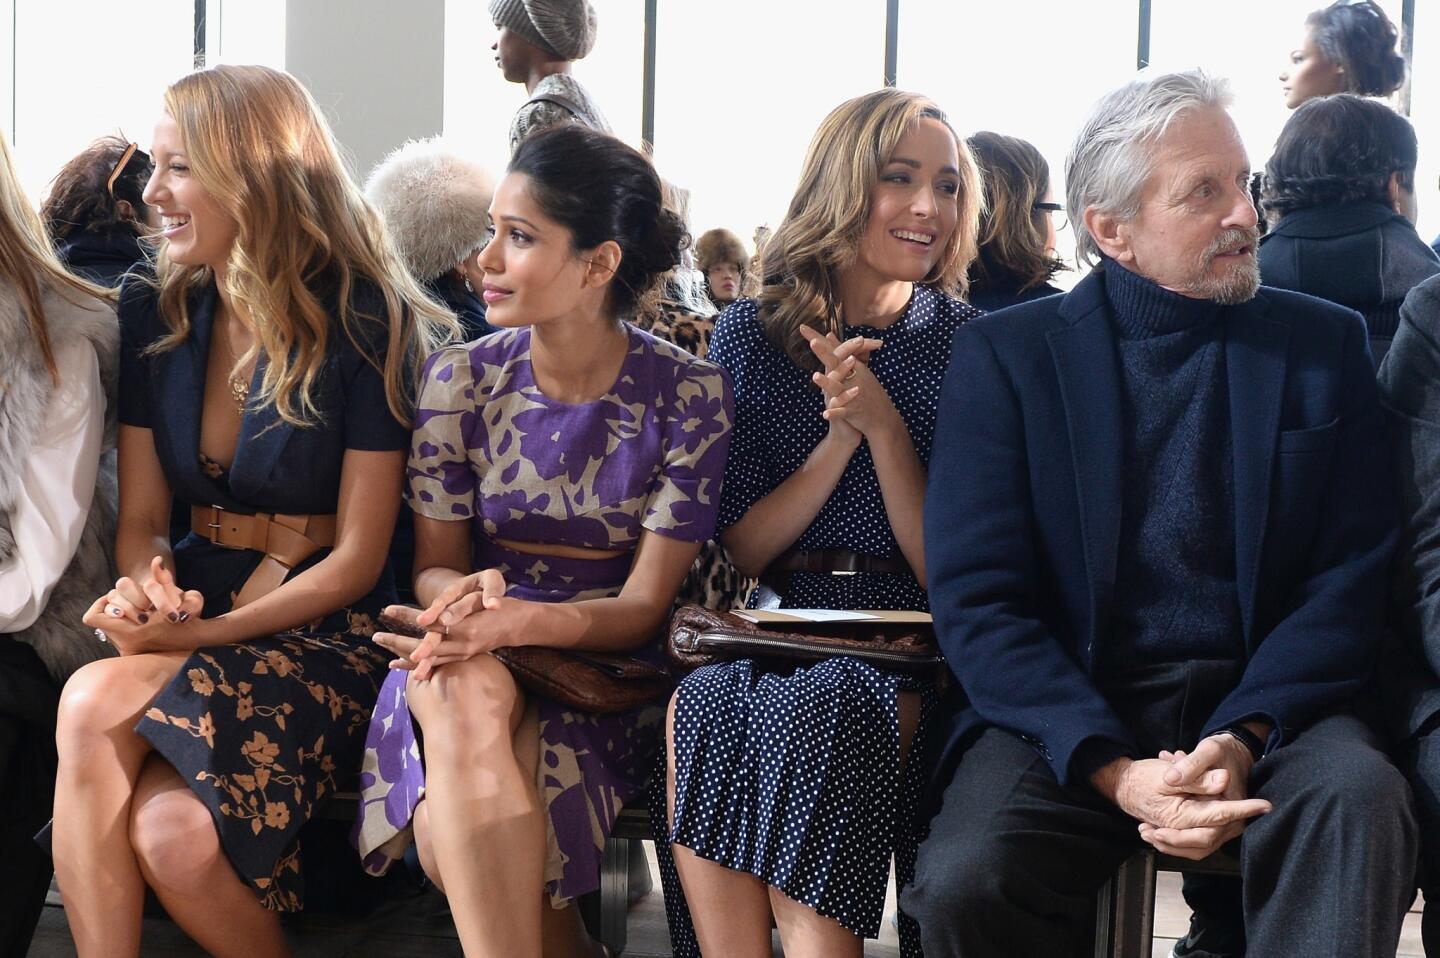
{"x": 787, "y": 794}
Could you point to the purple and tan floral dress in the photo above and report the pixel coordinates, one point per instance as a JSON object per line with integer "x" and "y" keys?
{"x": 492, "y": 449}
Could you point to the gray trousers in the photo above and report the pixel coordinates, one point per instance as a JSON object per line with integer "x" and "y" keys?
{"x": 1013, "y": 858}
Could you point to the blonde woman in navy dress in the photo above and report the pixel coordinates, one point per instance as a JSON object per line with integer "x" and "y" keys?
{"x": 266, "y": 376}
{"x": 786, "y": 791}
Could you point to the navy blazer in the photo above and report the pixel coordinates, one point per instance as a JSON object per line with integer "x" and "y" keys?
{"x": 1022, "y": 515}
{"x": 277, "y": 467}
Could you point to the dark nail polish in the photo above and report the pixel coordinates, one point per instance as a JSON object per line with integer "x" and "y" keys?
{"x": 184, "y": 616}
{"x": 144, "y": 617}
{"x": 173, "y": 617}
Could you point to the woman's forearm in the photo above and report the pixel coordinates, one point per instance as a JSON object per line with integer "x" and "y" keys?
{"x": 136, "y": 546}
{"x": 330, "y": 585}
{"x": 902, "y": 487}
{"x": 618, "y": 624}
{"x": 774, "y": 523}
{"x": 432, "y": 581}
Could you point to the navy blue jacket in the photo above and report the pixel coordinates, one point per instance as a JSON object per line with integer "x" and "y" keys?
{"x": 1022, "y": 515}
{"x": 1362, "y": 255}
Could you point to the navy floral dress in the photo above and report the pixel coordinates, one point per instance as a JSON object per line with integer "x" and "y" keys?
{"x": 796, "y": 778}
{"x": 262, "y": 731}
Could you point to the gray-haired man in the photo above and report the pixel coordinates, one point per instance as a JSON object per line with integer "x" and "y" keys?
{"x": 1158, "y": 528}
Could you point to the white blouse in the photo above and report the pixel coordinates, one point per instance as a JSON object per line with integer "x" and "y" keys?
{"x": 54, "y": 495}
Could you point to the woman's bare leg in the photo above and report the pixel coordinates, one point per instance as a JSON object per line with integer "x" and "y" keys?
{"x": 805, "y": 933}
{"x": 179, "y": 852}
{"x": 483, "y": 821}
{"x": 100, "y": 760}
{"x": 563, "y": 934}
{"x": 730, "y": 909}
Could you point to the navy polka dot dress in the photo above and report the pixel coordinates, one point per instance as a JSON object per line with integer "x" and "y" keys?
{"x": 795, "y": 778}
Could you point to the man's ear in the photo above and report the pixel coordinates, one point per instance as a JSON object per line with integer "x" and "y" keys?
{"x": 1110, "y": 233}
{"x": 601, "y": 263}
{"x": 1402, "y": 200}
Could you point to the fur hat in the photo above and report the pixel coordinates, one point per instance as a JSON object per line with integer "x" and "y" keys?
{"x": 563, "y": 28}
{"x": 434, "y": 204}
{"x": 720, "y": 246}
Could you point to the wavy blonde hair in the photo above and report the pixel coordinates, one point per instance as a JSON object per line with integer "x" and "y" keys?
{"x": 28, "y": 260}
{"x": 258, "y": 144}
{"x": 802, "y": 261}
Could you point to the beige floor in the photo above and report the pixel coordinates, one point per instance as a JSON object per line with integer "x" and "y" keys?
{"x": 422, "y": 929}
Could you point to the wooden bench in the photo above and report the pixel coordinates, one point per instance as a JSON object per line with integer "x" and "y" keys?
{"x": 1125, "y": 906}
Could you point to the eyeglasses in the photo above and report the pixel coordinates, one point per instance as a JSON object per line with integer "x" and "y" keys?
{"x": 131, "y": 151}
{"x": 1055, "y": 211}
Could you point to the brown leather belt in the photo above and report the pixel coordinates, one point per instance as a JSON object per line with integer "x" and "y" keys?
{"x": 776, "y": 576}
{"x": 836, "y": 560}
{"x": 286, "y": 542}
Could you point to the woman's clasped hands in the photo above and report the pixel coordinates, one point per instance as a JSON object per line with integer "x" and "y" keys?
{"x": 856, "y": 405}
{"x": 150, "y": 615}
{"x": 470, "y": 616}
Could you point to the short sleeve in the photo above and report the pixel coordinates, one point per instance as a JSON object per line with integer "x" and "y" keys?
{"x": 138, "y": 329}
{"x": 686, "y": 497}
{"x": 732, "y": 347}
{"x": 441, "y": 482}
{"x": 369, "y": 423}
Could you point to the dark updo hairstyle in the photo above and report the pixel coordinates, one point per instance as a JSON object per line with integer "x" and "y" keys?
{"x": 1012, "y": 231}
{"x": 1359, "y": 38}
{"x": 80, "y": 200}
{"x": 601, "y": 189}
{"x": 1338, "y": 149}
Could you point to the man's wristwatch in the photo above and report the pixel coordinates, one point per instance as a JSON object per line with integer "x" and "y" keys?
{"x": 1247, "y": 738}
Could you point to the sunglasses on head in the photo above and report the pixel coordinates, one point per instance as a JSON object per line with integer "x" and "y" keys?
{"x": 131, "y": 151}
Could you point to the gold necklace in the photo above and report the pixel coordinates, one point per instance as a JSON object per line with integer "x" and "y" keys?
{"x": 239, "y": 386}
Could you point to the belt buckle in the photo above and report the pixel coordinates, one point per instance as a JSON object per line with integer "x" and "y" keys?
{"x": 214, "y": 525}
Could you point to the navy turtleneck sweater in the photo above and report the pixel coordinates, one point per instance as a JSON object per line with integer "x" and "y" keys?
{"x": 1175, "y": 594}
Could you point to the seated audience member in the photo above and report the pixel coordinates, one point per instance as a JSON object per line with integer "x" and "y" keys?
{"x": 435, "y": 205}
{"x": 266, "y": 378}
{"x": 1410, "y": 677}
{"x": 1158, "y": 542}
{"x": 95, "y": 211}
{"x": 721, "y": 257}
{"x": 539, "y": 40}
{"x": 1348, "y": 47}
{"x": 1340, "y": 196}
{"x": 1017, "y": 229}
{"x": 836, "y": 368}
{"x": 563, "y": 475}
{"x": 58, "y": 373}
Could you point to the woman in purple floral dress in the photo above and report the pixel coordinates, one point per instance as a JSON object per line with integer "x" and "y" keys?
{"x": 577, "y": 461}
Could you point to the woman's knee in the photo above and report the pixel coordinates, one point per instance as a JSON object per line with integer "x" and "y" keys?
{"x": 99, "y": 698}
{"x": 174, "y": 839}
{"x": 467, "y": 707}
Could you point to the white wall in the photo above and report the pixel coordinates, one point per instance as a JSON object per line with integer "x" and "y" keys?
{"x": 376, "y": 67}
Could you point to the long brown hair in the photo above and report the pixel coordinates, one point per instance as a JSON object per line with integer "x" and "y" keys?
{"x": 258, "y": 144}
{"x": 802, "y": 261}
{"x": 1012, "y": 231}
{"x": 28, "y": 260}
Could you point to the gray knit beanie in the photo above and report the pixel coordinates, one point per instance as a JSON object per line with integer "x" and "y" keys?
{"x": 564, "y": 28}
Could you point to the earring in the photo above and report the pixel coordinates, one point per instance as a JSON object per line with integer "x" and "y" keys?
{"x": 468, "y": 287}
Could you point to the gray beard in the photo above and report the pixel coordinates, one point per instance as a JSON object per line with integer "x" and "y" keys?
{"x": 1238, "y": 286}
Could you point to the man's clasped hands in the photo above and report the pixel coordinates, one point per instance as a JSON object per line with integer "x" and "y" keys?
{"x": 1188, "y": 804}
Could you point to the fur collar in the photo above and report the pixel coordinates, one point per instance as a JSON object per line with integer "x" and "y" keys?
{"x": 25, "y": 392}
